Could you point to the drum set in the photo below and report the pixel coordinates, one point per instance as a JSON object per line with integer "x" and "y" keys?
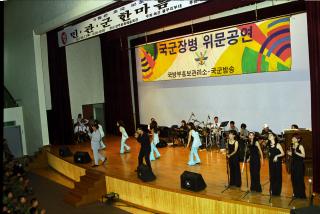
{"x": 211, "y": 137}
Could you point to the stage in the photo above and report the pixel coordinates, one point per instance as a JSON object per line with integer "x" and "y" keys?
{"x": 165, "y": 194}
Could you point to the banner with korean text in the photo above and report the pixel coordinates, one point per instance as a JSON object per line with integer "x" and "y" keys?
{"x": 263, "y": 46}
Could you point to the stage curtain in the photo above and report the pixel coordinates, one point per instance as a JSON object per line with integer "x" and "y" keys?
{"x": 313, "y": 16}
{"x": 60, "y": 119}
{"x": 117, "y": 87}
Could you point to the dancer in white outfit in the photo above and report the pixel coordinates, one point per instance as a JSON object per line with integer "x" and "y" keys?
{"x": 124, "y": 136}
{"x": 155, "y": 141}
{"x": 195, "y": 145}
{"x": 95, "y": 145}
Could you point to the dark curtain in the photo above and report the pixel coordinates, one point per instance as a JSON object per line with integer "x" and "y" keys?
{"x": 117, "y": 87}
{"x": 313, "y": 17}
{"x": 60, "y": 119}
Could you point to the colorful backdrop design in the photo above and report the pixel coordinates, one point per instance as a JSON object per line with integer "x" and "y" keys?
{"x": 252, "y": 48}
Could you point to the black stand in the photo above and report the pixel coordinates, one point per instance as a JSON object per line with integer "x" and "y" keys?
{"x": 227, "y": 161}
{"x": 244, "y": 162}
{"x": 292, "y": 199}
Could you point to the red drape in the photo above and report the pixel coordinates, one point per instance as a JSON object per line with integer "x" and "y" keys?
{"x": 313, "y": 16}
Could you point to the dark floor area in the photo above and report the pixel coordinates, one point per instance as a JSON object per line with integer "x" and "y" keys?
{"x": 50, "y": 196}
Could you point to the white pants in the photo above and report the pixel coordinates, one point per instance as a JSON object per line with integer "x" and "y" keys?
{"x": 154, "y": 149}
{"x": 123, "y": 145}
{"x": 95, "y": 146}
{"x": 194, "y": 152}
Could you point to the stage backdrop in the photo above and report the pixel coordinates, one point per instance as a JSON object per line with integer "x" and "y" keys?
{"x": 277, "y": 98}
{"x": 263, "y": 46}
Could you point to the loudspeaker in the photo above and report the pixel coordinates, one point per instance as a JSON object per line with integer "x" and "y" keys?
{"x": 145, "y": 173}
{"x": 65, "y": 152}
{"x": 192, "y": 181}
{"x": 306, "y": 210}
{"x": 162, "y": 144}
{"x": 81, "y": 157}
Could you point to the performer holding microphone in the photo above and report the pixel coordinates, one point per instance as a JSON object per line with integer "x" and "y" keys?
{"x": 233, "y": 145}
{"x": 275, "y": 166}
{"x": 195, "y": 145}
{"x": 255, "y": 163}
{"x": 297, "y": 167}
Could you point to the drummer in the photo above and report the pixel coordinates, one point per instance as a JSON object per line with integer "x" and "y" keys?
{"x": 217, "y": 133}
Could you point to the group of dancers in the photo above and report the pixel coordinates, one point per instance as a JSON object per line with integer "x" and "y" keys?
{"x": 149, "y": 152}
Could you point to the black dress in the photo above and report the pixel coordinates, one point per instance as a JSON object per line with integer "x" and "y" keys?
{"x": 297, "y": 175}
{"x": 275, "y": 171}
{"x": 234, "y": 167}
{"x": 255, "y": 167}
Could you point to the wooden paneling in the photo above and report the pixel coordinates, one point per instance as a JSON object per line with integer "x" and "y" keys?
{"x": 66, "y": 168}
{"x": 173, "y": 202}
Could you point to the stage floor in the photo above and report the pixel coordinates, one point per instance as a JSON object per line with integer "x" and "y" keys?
{"x": 173, "y": 163}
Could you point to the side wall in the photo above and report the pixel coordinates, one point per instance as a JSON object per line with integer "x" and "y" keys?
{"x": 85, "y": 75}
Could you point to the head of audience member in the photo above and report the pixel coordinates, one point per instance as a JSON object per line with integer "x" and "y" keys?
{"x": 216, "y": 119}
{"x": 120, "y": 123}
{"x": 34, "y": 202}
{"x": 9, "y": 194}
{"x": 33, "y": 210}
{"x": 43, "y": 211}
{"x": 22, "y": 200}
{"x": 294, "y": 126}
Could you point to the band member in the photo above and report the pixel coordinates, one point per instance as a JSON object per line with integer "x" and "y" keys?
{"x": 216, "y": 130}
{"x": 275, "y": 164}
{"x": 183, "y": 132}
{"x": 195, "y": 145}
{"x": 233, "y": 127}
{"x": 152, "y": 121}
{"x": 297, "y": 168}
{"x": 95, "y": 145}
{"x": 233, "y": 145}
{"x": 255, "y": 163}
{"x": 243, "y": 132}
{"x": 265, "y": 131}
{"x": 155, "y": 141}
{"x": 124, "y": 136}
{"x": 143, "y": 138}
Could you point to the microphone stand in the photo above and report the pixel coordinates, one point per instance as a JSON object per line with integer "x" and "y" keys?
{"x": 228, "y": 175}
{"x": 190, "y": 117}
{"x": 244, "y": 163}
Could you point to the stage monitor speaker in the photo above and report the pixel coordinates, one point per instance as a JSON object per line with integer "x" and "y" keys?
{"x": 192, "y": 181}
{"x": 306, "y": 210}
{"x": 65, "y": 151}
{"x": 81, "y": 157}
{"x": 145, "y": 173}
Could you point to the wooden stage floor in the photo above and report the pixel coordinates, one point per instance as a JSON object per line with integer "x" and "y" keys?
{"x": 173, "y": 163}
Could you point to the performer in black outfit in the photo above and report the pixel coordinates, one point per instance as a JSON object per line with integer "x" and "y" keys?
{"x": 275, "y": 164}
{"x": 297, "y": 167}
{"x": 233, "y": 145}
{"x": 255, "y": 164}
{"x": 145, "y": 149}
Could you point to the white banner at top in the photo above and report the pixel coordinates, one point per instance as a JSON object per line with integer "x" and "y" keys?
{"x": 126, "y": 15}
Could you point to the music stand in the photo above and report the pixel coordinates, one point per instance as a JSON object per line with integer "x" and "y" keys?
{"x": 224, "y": 124}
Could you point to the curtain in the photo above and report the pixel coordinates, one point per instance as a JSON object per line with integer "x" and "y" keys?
{"x": 313, "y": 17}
{"x": 117, "y": 86}
{"x": 60, "y": 121}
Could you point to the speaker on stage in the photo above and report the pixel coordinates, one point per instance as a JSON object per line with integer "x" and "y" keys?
{"x": 306, "y": 210}
{"x": 192, "y": 181}
{"x": 145, "y": 173}
{"x": 81, "y": 157}
{"x": 65, "y": 151}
